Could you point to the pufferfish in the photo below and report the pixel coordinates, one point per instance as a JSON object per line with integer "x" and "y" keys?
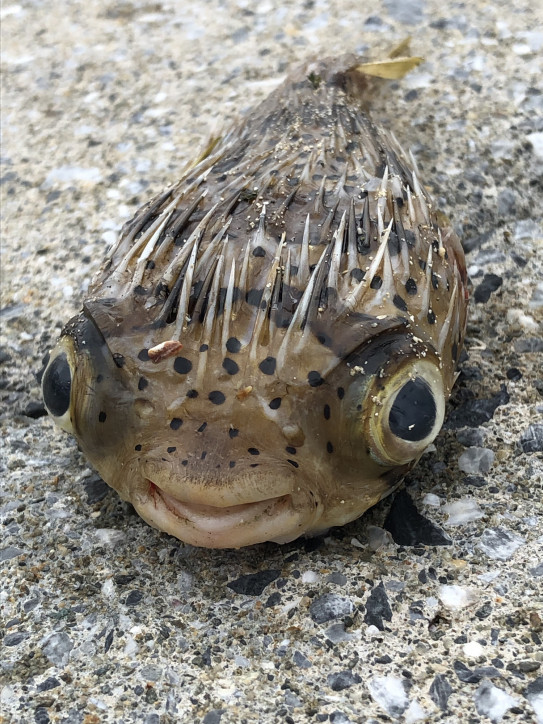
{"x": 269, "y": 347}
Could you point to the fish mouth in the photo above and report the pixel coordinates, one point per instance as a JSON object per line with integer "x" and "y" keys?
{"x": 275, "y": 519}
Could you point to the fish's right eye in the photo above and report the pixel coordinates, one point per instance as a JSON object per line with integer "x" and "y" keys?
{"x": 57, "y": 387}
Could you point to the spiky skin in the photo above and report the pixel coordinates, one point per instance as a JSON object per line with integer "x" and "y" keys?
{"x": 301, "y": 267}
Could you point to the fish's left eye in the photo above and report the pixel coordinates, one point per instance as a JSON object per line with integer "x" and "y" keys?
{"x": 407, "y": 412}
{"x": 413, "y": 413}
{"x": 57, "y": 387}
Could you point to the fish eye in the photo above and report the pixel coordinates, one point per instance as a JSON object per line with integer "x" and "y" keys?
{"x": 407, "y": 412}
{"x": 413, "y": 413}
{"x": 57, "y": 388}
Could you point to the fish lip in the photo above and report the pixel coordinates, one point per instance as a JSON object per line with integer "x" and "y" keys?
{"x": 231, "y": 526}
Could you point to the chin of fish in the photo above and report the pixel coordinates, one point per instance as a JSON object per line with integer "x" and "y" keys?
{"x": 269, "y": 347}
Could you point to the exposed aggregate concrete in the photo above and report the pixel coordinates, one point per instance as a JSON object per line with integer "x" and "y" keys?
{"x": 429, "y": 611}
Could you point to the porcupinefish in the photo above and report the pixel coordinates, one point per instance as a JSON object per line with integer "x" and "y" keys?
{"x": 269, "y": 347}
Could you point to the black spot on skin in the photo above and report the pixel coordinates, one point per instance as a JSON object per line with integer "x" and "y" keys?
{"x": 431, "y": 317}
{"x": 202, "y": 427}
{"x": 358, "y": 274}
{"x": 216, "y": 397}
{"x": 176, "y": 423}
{"x": 422, "y": 264}
{"x": 327, "y": 412}
{"x": 233, "y": 432}
{"x": 142, "y": 383}
{"x": 399, "y": 303}
{"x": 435, "y": 280}
{"x": 324, "y": 339}
{"x": 137, "y": 448}
{"x": 411, "y": 286}
{"x": 254, "y": 297}
{"x": 314, "y": 379}
{"x": 253, "y": 451}
{"x": 192, "y": 394}
{"x": 233, "y": 345}
{"x": 171, "y": 449}
{"x": 230, "y": 366}
{"x": 259, "y": 251}
{"x": 118, "y": 359}
{"x": 454, "y": 352}
{"x": 329, "y": 447}
{"x": 203, "y": 455}
{"x": 143, "y": 355}
{"x": 140, "y": 291}
{"x": 150, "y": 264}
{"x": 275, "y": 404}
{"x": 102, "y": 417}
{"x": 204, "y": 347}
{"x": 182, "y": 365}
{"x": 99, "y": 378}
{"x": 340, "y": 393}
{"x": 291, "y": 450}
{"x": 267, "y": 366}
{"x": 253, "y": 465}
{"x": 413, "y": 415}
{"x": 293, "y": 463}
{"x": 376, "y": 282}
{"x": 184, "y": 462}
{"x": 232, "y": 464}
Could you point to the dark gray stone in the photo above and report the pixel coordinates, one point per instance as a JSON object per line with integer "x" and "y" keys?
{"x": 409, "y": 528}
{"x": 378, "y": 607}
{"x": 343, "y": 680}
{"x": 531, "y": 439}
{"x": 329, "y": 607}
{"x": 253, "y": 584}
{"x": 440, "y": 690}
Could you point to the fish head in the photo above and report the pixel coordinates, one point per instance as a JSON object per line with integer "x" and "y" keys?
{"x": 226, "y": 447}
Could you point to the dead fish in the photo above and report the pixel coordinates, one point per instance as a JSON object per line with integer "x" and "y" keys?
{"x": 269, "y": 347}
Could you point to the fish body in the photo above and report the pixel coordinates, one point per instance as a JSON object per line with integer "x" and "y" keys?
{"x": 270, "y": 345}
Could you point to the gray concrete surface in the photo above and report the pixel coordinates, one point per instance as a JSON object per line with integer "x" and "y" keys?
{"x": 107, "y": 620}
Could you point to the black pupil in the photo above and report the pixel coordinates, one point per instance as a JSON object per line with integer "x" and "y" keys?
{"x": 56, "y": 385}
{"x": 413, "y": 414}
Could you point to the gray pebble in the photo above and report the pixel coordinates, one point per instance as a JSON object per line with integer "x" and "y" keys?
{"x": 343, "y": 680}
{"x": 471, "y": 436}
{"x": 57, "y": 647}
{"x": 329, "y": 607}
{"x": 10, "y": 552}
{"x": 499, "y": 543}
{"x": 476, "y": 460}
{"x": 408, "y": 12}
{"x": 531, "y": 439}
{"x": 15, "y": 638}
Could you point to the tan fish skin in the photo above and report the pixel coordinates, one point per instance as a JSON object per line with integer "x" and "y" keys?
{"x": 269, "y": 347}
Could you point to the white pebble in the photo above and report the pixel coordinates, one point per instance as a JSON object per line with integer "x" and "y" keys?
{"x": 414, "y": 713}
{"x": 432, "y": 500}
{"x": 473, "y": 650}
{"x": 462, "y": 511}
{"x": 493, "y": 702}
{"x": 109, "y": 536}
{"x": 536, "y": 139}
{"x": 388, "y": 693}
{"x": 455, "y": 597}
{"x": 66, "y": 175}
{"x": 476, "y": 460}
{"x": 517, "y": 317}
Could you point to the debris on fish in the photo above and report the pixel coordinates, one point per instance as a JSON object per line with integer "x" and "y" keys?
{"x": 269, "y": 347}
